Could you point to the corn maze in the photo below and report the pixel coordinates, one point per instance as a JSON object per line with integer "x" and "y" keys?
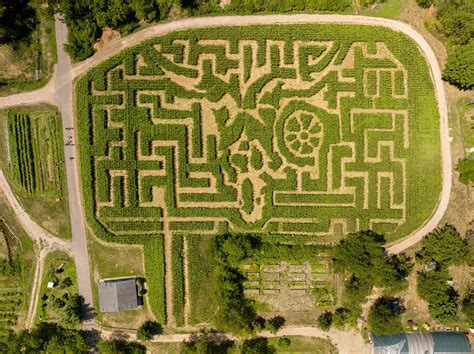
{"x": 299, "y": 130}
{"x": 305, "y": 132}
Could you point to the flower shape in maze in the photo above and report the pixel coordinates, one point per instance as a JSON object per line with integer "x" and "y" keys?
{"x": 303, "y": 134}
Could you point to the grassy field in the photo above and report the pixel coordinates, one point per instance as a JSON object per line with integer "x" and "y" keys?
{"x": 28, "y": 64}
{"x": 201, "y": 279}
{"x": 31, "y": 154}
{"x": 113, "y": 261}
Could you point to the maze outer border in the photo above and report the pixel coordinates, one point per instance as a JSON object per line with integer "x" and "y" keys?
{"x": 435, "y": 72}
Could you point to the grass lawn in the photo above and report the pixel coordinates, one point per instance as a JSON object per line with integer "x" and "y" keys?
{"x": 111, "y": 261}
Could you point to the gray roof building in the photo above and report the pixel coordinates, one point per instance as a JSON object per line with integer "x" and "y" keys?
{"x": 118, "y": 294}
{"x": 422, "y": 343}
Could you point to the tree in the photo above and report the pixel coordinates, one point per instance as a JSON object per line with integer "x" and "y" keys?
{"x": 207, "y": 341}
{"x": 384, "y": 317}
{"x": 45, "y": 338}
{"x": 341, "y": 317}
{"x": 468, "y": 309}
{"x": 71, "y": 313}
{"x": 455, "y": 19}
{"x": 363, "y": 255}
{"x": 148, "y": 330}
{"x": 445, "y": 246}
{"x": 465, "y": 168}
{"x": 459, "y": 68}
{"x": 274, "y": 324}
{"x": 442, "y": 299}
{"x": 119, "y": 346}
{"x": 324, "y": 321}
{"x": 17, "y": 20}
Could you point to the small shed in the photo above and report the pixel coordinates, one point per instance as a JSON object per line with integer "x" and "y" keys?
{"x": 118, "y": 294}
{"x": 422, "y": 343}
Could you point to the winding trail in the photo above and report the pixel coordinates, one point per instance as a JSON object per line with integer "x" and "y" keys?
{"x": 59, "y": 91}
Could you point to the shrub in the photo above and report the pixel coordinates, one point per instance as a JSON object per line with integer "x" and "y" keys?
{"x": 384, "y": 317}
{"x": 148, "y": 330}
{"x": 324, "y": 321}
{"x": 284, "y": 342}
{"x": 465, "y": 168}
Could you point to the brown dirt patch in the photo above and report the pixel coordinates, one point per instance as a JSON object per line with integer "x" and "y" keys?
{"x": 108, "y": 35}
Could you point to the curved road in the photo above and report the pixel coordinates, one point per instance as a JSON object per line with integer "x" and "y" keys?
{"x": 60, "y": 92}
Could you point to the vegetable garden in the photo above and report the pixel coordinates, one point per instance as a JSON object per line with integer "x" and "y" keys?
{"x": 33, "y": 153}
{"x": 305, "y": 132}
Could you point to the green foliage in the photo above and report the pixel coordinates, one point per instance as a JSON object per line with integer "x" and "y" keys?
{"x": 45, "y": 338}
{"x": 445, "y": 246}
{"x": 341, "y": 317}
{"x": 468, "y": 309}
{"x": 252, "y": 6}
{"x": 148, "y": 330}
{"x": 35, "y": 151}
{"x": 207, "y": 341}
{"x": 257, "y": 345}
{"x": 424, "y": 3}
{"x": 274, "y": 324}
{"x": 324, "y": 321}
{"x": 155, "y": 269}
{"x": 17, "y": 20}
{"x": 459, "y": 69}
{"x": 384, "y": 317}
{"x": 178, "y": 278}
{"x": 465, "y": 168}
{"x": 363, "y": 255}
{"x": 284, "y": 342}
{"x": 119, "y": 346}
{"x": 442, "y": 298}
{"x": 456, "y": 20}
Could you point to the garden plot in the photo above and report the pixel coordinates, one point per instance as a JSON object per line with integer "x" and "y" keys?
{"x": 291, "y": 287}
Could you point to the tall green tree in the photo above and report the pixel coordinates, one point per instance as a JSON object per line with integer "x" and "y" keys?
{"x": 45, "y": 338}
{"x": 384, "y": 317}
{"x": 445, "y": 246}
{"x": 362, "y": 254}
{"x": 459, "y": 69}
{"x": 443, "y": 300}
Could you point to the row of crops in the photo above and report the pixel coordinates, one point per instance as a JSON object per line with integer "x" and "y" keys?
{"x": 34, "y": 151}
